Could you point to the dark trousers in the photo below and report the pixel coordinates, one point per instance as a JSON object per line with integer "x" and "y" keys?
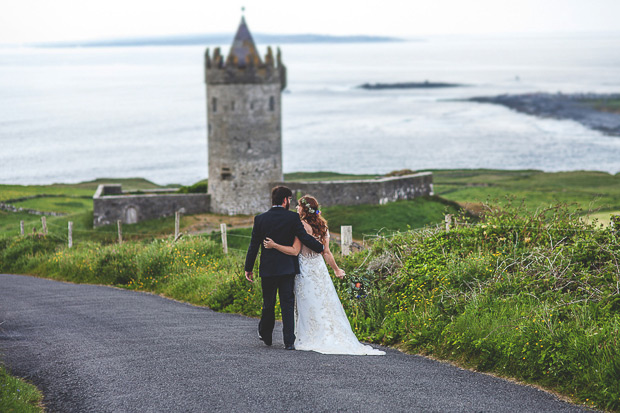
{"x": 285, "y": 284}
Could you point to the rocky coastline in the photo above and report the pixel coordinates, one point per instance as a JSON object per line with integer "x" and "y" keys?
{"x": 585, "y": 108}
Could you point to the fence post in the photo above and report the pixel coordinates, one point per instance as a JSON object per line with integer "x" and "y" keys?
{"x": 119, "y": 224}
{"x": 224, "y": 238}
{"x": 44, "y": 224}
{"x": 346, "y": 239}
{"x": 448, "y": 220}
{"x": 70, "y": 234}
{"x": 177, "y": 224}
{"x": 21, "y": 227}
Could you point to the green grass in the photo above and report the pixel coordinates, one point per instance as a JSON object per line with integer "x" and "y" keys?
{"x": 585, "y": 189}
{"x": 526, "y": 295}
{"x": 86, "y": 189}
{"x": 389, "y": 218}
{"x": 61, "y": 204}
{"x": 605, "y": 105}
{"x": 18, "y": 396}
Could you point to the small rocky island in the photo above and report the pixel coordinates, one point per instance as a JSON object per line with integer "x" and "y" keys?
{"x": 596, "y": 111}
{"x": 408, "y": 85}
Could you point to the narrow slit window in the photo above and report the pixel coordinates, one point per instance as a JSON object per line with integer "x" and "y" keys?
{"x": 214, "y": 104}
{"x": 272, "y": 103}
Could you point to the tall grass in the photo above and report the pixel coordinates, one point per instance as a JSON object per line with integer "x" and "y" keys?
{"x": 532, "y": 296}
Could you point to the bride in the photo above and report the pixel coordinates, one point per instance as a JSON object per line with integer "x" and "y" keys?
{"x": 320, "y": 321}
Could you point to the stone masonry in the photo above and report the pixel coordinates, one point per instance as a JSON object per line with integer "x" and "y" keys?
{"x": 244, "y": 125}
{"x": 366, "y": 191}
{"x": 111, "y": 204}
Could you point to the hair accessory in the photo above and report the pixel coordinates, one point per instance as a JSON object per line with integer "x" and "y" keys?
{"x": 308, "y": 207}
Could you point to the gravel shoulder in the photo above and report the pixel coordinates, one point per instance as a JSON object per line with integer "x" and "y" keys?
{"x": 97, "y": 348}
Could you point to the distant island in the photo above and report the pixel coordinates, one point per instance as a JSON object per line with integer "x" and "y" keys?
{"x": 219, "y": 39}
{"x": 409, "y": 85}
{"x": 596, "y": 111}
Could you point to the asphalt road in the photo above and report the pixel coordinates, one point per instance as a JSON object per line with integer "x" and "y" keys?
{"x": 100, "y": 349}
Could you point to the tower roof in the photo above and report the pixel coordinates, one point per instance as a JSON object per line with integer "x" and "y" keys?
{"x": 243, "y": 45}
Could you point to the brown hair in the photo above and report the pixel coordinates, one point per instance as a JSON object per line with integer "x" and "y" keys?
{"x": 311, "y": 214}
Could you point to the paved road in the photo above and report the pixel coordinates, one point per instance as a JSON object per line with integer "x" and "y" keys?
{"x": 100, "y": 349}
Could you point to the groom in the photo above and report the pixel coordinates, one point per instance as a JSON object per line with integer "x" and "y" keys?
{"x": 278, "y": 270}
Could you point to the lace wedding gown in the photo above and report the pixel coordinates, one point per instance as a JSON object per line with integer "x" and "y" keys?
{"x": 320, "y": 321}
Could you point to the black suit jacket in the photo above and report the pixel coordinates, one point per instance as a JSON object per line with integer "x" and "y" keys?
{"x": 282, "y": 226}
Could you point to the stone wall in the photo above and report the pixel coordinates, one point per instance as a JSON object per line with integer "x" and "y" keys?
{"x": 367, "y": 191}
{"x": 111, "y": 204}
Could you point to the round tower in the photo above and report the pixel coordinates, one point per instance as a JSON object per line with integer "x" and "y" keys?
{"x": 243, "y": 125}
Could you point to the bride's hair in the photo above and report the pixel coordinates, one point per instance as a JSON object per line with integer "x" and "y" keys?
{"x": 312, "y": 215}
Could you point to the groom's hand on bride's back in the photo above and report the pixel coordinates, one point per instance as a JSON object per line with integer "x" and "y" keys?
{"x": 249, "y": 275}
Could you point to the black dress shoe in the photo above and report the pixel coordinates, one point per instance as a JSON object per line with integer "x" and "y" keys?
{"x": 267, "y": 342}
{"x": 289, "y": 347}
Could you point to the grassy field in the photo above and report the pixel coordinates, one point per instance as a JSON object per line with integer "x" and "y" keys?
{"x": 595, "y": 192}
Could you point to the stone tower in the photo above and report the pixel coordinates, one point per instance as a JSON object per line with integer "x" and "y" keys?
{"x": 244, "y": 125}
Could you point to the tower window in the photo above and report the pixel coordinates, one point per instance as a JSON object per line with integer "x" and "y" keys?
{"x": 226, "y": 173}
{"x": 214, "y": 104}
{"x": 272, "y": 103}
{"x": 232, "y": 105}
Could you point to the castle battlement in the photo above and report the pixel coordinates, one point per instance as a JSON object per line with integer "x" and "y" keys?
{"x": 243, "y": 64}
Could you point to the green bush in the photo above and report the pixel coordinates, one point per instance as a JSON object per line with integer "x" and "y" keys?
{"x": 527, "y": 295}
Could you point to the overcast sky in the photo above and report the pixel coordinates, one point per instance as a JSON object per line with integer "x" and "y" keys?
{"x": 52, "y": 20}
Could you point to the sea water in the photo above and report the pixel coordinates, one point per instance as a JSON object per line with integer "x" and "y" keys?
{"x": 75, "y": 114}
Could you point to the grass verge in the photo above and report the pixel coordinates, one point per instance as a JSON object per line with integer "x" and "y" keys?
{"x": 18, "y": 396}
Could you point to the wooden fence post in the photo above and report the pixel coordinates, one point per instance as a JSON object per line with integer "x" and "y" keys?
{"x": 224, "y": 238}
{"x": 177, "y": 224}
{"x": 21, "y": 227}
{"x": 346, "y": 239}
{"x": 448, "y": 220}
{"x": 44, "y": 224}
{"x": 70, "y": 234}
{"x": 119, "y": 224}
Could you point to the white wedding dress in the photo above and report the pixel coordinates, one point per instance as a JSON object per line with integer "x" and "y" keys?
{"x": 321, "y": 324}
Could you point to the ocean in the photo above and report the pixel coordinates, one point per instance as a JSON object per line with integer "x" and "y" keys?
{"x": 75, "y": 114}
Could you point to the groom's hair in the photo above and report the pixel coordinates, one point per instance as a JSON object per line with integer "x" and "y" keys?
{"x": 279, "y": 194}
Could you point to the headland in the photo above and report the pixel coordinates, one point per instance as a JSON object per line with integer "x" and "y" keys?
{"x": 600, "y": 112}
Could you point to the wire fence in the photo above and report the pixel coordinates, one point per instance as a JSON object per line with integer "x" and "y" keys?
{"x": 347, "y": 244}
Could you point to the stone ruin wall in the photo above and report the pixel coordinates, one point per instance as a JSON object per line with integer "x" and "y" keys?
{"x": 111, "y": 204}
{"x": 366, "y": 191}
